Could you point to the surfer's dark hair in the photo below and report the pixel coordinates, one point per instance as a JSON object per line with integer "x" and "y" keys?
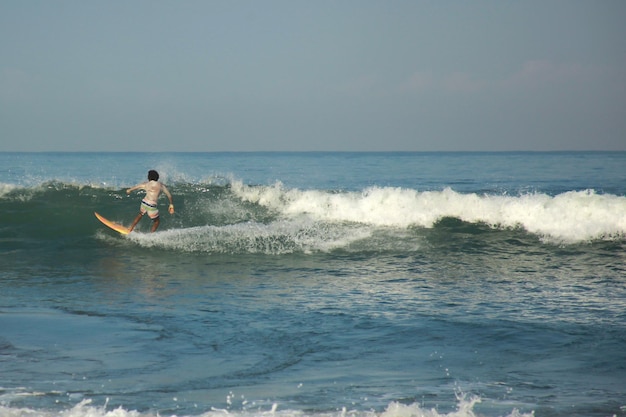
{"x": 153, "y": 175}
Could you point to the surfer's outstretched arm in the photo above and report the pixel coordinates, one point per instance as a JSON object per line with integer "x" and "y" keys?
{"x": 136, "y": 187}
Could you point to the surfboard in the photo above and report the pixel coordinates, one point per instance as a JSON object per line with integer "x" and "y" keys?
{"x": 115, "y": 226}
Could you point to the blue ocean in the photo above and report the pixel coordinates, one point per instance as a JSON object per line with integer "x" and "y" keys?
{"x": 314, "y": 284}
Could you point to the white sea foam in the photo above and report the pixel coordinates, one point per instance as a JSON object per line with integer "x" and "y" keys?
{"x": 280, "y": 237}
{"x": 569, "y": 217}
{"x": 85, "y": 409}
{"x": 6, "y": 188}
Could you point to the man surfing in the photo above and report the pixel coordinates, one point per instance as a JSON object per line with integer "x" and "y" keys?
{"x": 148, "y": 205}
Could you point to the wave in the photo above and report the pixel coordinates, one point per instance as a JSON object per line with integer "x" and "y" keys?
{"x": 465, "y": 408}
{"x": 233, "y": 217}
{"x": 573, "y": 216}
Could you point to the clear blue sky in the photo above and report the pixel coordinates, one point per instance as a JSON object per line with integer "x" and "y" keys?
{"x": 301, "y": 75}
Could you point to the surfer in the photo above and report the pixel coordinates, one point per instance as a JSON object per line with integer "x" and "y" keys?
{"x": 148, "y": 205}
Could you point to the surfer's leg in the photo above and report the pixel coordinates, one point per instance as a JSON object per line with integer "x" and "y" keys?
{"x": 132, "y": 226}
{"x": 155, "y": 224}
{"x": 153, "y": 213}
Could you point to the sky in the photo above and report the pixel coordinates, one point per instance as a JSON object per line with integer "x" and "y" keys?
{"x": 323, "y": 75}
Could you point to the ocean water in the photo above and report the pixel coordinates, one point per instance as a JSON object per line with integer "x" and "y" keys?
{"x": 315, "y": 284}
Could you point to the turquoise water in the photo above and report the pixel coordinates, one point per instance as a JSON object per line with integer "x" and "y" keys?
{"x": 315, "y": 284}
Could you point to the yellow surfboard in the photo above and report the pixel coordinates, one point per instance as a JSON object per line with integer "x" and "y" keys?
{"x": 115, "y": 226}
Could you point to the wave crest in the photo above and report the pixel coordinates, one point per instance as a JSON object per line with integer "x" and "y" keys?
{"x": 570, "y": 217}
